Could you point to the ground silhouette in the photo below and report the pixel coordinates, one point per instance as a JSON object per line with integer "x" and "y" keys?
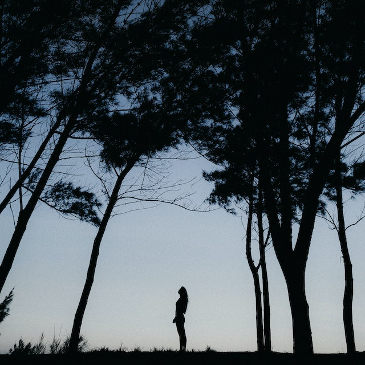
{"x": 177, "y": 358}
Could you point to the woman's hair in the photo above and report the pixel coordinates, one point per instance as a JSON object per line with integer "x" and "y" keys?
{"x": 184, "y": 296}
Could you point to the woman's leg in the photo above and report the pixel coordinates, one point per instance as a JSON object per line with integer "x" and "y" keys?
{"x": 183, "y": 339}
{"x": 182, "y": 335}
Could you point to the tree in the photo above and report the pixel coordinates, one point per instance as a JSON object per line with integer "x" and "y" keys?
{"x": 256, "y": 279}
{"x": 97, "y": 75}
{"x": 263, "y": 324}
{"x": 135, "y": 135}
{"x": 347, "y": 176}
{"x": 228, "y": 194}
{"x": 285, "y": 85}
{"x": 41, "y": 64}
{"x": 149, "y": 126}
{"x": 127, "y": 140}
{"x": 349, "y": 288}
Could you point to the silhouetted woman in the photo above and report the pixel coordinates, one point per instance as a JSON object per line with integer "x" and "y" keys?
{"x": 181, "y": 305}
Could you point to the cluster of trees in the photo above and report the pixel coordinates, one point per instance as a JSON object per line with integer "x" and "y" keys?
{"x": 269, "y": 90}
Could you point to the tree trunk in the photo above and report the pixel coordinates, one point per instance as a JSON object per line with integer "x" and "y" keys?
{"x": 266, "y": 302}
{"x": 256, "y": 280}
{"x": 259, "y": 321}
{"x": 79, "y": 315}
{"x": 265, "y": 281}
{"x": 302, "y": 333}
{"x": 348, "y": 292}
{"x": 293, "y": 267}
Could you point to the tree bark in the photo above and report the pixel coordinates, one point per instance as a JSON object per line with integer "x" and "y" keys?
{"x": 349, "y": 290}
{"x": 79, "y": 315}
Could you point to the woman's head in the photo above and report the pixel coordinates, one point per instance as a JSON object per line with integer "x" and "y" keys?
{"x": 184, "y": 296}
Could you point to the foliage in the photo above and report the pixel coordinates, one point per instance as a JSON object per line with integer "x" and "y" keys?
{"x": 29, "y": 33}
{"x": 68, "y": 199}
{"x": 4, "y": 305}
{"x": 352, "y": 177}
{"x": 130, "y": 136}
{"x": 8, "y": 133}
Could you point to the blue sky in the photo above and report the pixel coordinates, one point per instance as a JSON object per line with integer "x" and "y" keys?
{"x": 146, "y": 256}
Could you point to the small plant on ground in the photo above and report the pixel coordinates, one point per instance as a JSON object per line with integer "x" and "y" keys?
{"x": 57, "y": 346}
{"x": 82, "y": 346}
{"x": 101, "y": 349}
{"x": 162, "y": 349}
{"x": 28, "y": 349}
{"x": 122, "y": 348}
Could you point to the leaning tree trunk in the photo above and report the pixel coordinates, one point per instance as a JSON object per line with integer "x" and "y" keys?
{"x": 349, "y": 290}
{"x": 26, "y": 213}
{"x": 79, "y": 315}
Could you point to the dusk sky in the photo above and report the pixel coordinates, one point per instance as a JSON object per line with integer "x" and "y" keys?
{"x": 147, "y": 255}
